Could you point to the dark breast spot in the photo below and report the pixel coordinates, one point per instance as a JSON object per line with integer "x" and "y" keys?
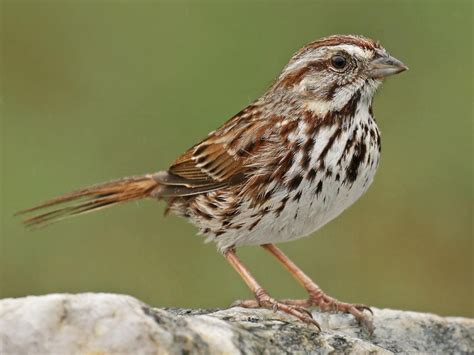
{"x": 280, "y": 208}
{"x": 350, "y": 107}
{"x": 295, "y": 182}
{"x": 358, "y": 157}
{"x": 349, "y": 143}
{"x": 319, "y": 187}
{"x": 305, "y": 161}
{"x": 264, "y": 211}
{"x": 268, "y": 194}
{"x": 307, "y": 150}
{"x": 297, "y": 196}
{"x": 311, "y": 174}
{"x": 254, "y": 224}
{"x": 328, "y": 146}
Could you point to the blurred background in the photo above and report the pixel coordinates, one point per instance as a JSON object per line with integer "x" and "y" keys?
{"x": 95, "y": 90}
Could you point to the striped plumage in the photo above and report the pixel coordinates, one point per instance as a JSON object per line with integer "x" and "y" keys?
{"x": 300, "y": 165}
{"x": 298, "y": 179}
{"x": 281, "y": 168}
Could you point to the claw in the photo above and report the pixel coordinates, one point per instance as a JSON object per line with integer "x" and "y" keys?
{"x": 307, "y": 311}
{"x": 313, "y": 322}
{"x": 265, "y": 301}
{"x": 357, "y": 311}
{"x": 363, "y": 307}
{"x": 298, "y": 308}
{"x": 329, "y": 304}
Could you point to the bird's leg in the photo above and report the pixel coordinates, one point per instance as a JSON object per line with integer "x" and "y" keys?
{"x": 263, "y": 299}
{"x": 316, "y": 296}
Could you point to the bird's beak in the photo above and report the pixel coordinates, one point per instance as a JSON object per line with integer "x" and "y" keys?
{"x": 384, "y": 66}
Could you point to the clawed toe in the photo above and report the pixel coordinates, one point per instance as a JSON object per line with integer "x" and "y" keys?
{"x": 267, "y": 302}
{"x": 329, "y": 304}
{"x": 363, "y": 307}
{"x": 356, "y": 310}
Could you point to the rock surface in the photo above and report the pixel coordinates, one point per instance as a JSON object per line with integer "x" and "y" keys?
{"x": 109, "y": 324}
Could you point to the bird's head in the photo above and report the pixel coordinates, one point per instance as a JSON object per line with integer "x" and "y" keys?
{"x": 328, "y": 72}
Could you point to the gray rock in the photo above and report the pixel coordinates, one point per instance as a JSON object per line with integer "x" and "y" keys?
{"x": 110, "y": 324}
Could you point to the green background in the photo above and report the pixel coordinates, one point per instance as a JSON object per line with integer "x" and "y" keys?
{"x": 95, "y": 90}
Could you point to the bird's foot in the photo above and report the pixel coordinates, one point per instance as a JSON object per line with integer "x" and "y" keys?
{"x": 329, "y": 304}
{"x": 263, "y": 300}
{"x": 324, "y": 302}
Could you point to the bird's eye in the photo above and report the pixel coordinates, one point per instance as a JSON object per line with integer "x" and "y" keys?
{"x": 338, "y": 62}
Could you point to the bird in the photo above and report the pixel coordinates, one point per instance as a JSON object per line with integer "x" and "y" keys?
{"x": 280, "y": 169}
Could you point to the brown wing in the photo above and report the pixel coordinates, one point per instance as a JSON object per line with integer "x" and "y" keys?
{"x": 220, "y": 160}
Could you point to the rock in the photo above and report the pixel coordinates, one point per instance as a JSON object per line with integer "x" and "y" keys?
{"x": 107, "y": 323}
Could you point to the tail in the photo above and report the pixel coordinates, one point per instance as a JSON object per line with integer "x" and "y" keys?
{"x": 90, "y": 199}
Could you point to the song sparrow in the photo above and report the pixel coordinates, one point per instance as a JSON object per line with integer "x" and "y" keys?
{"x": 278, "y": 170}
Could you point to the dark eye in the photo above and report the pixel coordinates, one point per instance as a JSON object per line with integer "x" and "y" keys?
{"x": 338, "y": 62}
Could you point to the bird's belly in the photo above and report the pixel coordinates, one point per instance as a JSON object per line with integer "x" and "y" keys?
{"x": 315, "y": 209}
{"x": 320, "y": 197}
{"x": 312, "y": 211}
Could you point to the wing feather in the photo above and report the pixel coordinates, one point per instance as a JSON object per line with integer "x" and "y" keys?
{"x": 220, "y": 160}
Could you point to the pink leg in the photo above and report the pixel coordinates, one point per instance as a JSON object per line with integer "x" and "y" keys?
{"x": 316, "y": 296}
{"x": 263, "y": 299}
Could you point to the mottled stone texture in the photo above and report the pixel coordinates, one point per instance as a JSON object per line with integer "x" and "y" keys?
{"x": 110, "y": 324}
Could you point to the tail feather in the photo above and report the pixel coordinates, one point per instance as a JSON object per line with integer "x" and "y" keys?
{"x": 90, "y": 199}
